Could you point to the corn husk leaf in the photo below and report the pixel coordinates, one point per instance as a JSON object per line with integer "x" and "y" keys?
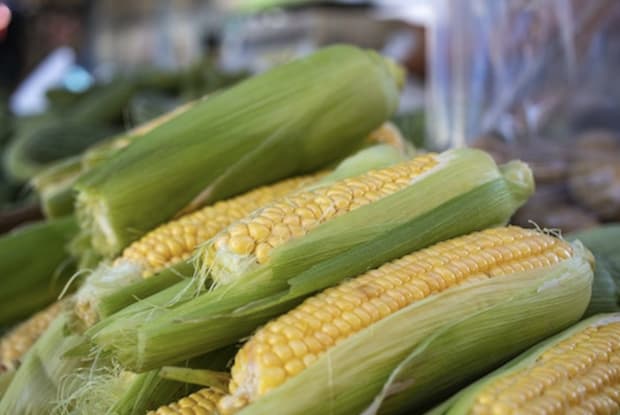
{"x": 32, "y": 281}
{"x": 604, "y": 242}
{"x": 460, "y": 403}
{"x": 36, "y": 384}
{"x": 118, "y": 392}
{"x": 263, "y": 129}
{"x": 341, "y": 248}
{"x": 422, "y": 352}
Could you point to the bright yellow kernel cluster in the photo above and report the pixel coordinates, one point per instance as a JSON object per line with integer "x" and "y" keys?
{"x": 580, "y": 375}
{"x": 16, "y": 343}
{"x": 203, "y": 402}
{"x": 294, "y": 216}
{"x": 289, "y": 344}
{"x": 388, "y": 134}
{"x": 176, "y": 240}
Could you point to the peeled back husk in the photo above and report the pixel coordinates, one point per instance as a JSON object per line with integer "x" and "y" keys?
{"x": 419, "y": 354}
{"x": 462, "y": 402}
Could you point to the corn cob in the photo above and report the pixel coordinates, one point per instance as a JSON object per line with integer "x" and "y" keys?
{"x": 291, "y": 344}
{"x": 259, "y": 131}
{"x": 16, "y": 343}
{"x": 30, "y": 282}
{"x": 307, "y": 254}
{"x": 203, "y": 402}
{"x": 575, "y": 372}
{"x": 171, "y": 245}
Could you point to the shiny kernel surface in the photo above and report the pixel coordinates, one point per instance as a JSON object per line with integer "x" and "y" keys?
{"x": 203, "y": 402}
{"x": 341, "y": 311}
{"x": 16, "y": 343}
{"x": 579, "y": 375}
{"x": 294, "y": 216}
{"x": 176, "y": 240}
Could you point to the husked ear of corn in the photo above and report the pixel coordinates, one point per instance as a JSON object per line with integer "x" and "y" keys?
{"x": 18, "y": 341}
{"x": 172, "y": 244}
{"x": 35, "y": 267}
{"x": 398, "y": 333}
{"x": 265, "y": 263}
{"x": 263, "y": 129}
{"x": 604, "y": 242}
{"x": 203, "y": 402}
{"x": 575, "y": 372}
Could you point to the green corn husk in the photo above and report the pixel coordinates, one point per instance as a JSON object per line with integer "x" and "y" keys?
{"x": 55, "y": 184}
{"x": 127, "y": 393}
{"x": 112, "y": 287}
{"x": 54, "y": 187}
{"x": 461, "y": 403}
{"x": 266, "y": 128}
{"x": 35, "y": 267}
{"x": 36, "y": 384}
{"x": 50, "y": 381}
{"x": 464, "y": 193}
{"x": 604, "y": 242}
{"x": 417, "y": 355}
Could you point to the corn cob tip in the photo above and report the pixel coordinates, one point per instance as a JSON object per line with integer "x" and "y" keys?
{"x": 105, "y": 279}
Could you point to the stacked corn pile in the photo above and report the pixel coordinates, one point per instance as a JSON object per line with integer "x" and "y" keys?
{"x": 279, "y": 249}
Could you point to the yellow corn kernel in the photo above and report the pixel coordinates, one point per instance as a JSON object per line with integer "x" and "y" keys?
{"x": 339, "y": 312}
{"x": 579, "y": 375}
{"x": 203, "y": 402}
{"x": 16, "y": 343}
{"x": 297, "y": 214}
{"x": 176, "y": 240}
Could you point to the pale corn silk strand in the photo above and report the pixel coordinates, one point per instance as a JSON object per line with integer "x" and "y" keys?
{"x": 290, "y": 343}
{"x": 579, "y": 375}
{"x": 203, "y": 402}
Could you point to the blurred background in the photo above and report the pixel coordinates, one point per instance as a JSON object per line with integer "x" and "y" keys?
{"x": 528, "y": 79}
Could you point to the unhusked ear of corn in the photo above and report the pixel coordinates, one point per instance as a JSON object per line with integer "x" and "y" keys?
{"x": 575, "y": 372}
{"x": 203, "y": 402}
{"x": 16, "y": 343}
{"x": 261, "y": 130}
{"x": 35, "y": 266}
{"x": 55, "y": 184}
{"x": 604, "y": 242}
{"x": 171, "y": 245}
{"x": 408, "y": 331}
{"x": 268, "y": 261}
{"x": 174, "y": 242}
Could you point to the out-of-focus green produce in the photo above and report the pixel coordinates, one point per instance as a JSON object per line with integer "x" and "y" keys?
{"x": 34, "y": 267}
{"x": 604, "y": 242}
